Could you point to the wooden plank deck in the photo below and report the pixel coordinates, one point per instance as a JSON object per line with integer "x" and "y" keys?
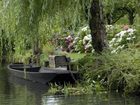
{"x": 57, "y": 70}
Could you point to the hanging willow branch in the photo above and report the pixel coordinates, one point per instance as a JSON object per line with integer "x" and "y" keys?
{"x": 28, "y": 23}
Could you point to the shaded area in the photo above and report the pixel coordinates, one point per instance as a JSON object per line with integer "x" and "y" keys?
{"x": 16, "y": 91}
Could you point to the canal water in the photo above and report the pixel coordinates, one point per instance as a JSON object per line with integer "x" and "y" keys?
{"x": 15, "y": 91}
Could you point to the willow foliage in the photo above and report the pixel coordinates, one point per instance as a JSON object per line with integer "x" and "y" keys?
{"x": 28, "y": 23}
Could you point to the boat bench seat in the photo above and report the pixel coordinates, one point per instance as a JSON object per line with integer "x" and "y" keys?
{"x": 62, "y": 61}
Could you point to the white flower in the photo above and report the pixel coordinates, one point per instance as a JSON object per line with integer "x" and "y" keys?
{"x": 122, "y": 46}
{"x": 134, "y": 37}
{"x": 113, "y": 40}
{"x": 88, "y": 46}
{"x": 85, "y": 28}
{"x": 110, "y": 45}
{"x": 87, "y": 38}
{"x": 128, "y": 38}
{"x": 130, "y": 34}
{"x": 93, "y": 81}
{"x": 121, "y": 34}
{"x": 109, "y": 27}
{"x": 99, "y": 76}
{"x": 113, "y": 51}
{"x": 93, "y": 51}
{"x": 119, "y": 39}
{"x": 130, "y": 30}
{"x": 75, "y": 40}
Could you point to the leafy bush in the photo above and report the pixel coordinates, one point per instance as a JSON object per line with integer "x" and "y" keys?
{"x": 80, "y": 39}
{"x": 119, "y": 37}
{"x": 47, "y": 49}
{"x": 119, "y": 71}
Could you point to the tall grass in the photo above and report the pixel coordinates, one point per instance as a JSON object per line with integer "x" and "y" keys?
{"x": 119, "y": 72}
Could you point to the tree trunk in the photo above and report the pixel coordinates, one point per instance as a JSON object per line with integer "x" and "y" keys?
{"x": 97, "y": 26}
{"x": 108, "y": 18}
{"x": 131, "y": 17}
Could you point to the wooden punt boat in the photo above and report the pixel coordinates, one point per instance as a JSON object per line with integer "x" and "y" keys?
{"x": 42, "y": 74}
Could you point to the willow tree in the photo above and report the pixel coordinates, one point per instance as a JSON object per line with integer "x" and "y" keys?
{"x": 115, "y": 9}
{"x": 19, "y": 21}
{"x": 7, "y": 25}
{"x": 92, "y": 10}
{"x": 27, "y": 23}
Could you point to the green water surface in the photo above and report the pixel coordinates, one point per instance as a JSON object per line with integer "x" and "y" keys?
{"x": 16, "y": 91}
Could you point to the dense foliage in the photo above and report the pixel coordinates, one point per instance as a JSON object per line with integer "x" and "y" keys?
{"x": 32, "y": 24}
{"x": 27, "y": 26}
{"x": 115, "y": 9}
{"x": 115, "y": 71}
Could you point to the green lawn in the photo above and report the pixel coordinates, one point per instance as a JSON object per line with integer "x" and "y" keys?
{"x": 76, "y": 56}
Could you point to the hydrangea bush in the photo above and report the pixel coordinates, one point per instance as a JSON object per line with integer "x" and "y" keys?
{"x": 83, "y": 41}
{"x": 122, "y": 39}
{"x": 119, "y": 37}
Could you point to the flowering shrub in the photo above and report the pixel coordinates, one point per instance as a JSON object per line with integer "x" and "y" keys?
{"x": 118, "y": 38}
{"x": 83, "y": 41}
{"x": 121, "y": 39}
{"x": 112, "y": 30}
{"x": 87, "y": 43}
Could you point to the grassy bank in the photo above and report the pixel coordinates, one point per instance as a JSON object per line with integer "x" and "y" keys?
{"x": 118, "y": 72}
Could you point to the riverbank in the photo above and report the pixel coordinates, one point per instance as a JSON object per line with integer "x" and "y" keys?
{"x": 118, "y": 72}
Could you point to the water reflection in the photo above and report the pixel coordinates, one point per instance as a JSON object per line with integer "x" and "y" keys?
{"x": 100, "y": 99}
{"x": 30, "y": 92}
{"x": 16, "y": 91}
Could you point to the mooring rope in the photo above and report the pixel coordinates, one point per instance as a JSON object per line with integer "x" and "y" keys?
{"x": 72, "y": 75}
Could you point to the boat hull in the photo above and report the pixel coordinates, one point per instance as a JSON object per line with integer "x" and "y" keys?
{"x": 43, "y": 75}
{"x": 32, "y": 75}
